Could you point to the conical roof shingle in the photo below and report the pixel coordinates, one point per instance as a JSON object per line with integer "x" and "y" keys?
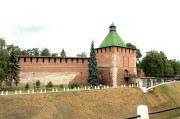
{"x": 113, "y": 38}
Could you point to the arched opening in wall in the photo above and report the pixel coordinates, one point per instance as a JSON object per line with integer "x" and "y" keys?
{"x": 126, "y": 78}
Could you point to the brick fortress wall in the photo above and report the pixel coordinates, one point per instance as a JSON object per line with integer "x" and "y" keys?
{"x": 56, "y": 69}
{"x": 114, "y": 63}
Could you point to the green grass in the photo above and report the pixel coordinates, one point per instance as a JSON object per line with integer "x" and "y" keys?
{"x": 164, "y": 88}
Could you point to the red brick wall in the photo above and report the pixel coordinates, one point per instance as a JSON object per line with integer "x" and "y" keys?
{"x": 56, "y": 64}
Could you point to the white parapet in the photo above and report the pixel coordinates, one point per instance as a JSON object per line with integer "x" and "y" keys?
{"x": 2, "y": 93}
{"x": 142, "y": 110}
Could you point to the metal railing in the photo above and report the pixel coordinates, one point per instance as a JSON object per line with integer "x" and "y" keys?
{"x": 150, "y": 113}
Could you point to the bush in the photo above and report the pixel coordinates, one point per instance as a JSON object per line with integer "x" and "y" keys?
{"x": 27, "y": 86}
{"x": 73, "y": 85}
{"x": 61, "y": 86}
{"x": 38, "y": 83}
{"x": 50, "y": 84}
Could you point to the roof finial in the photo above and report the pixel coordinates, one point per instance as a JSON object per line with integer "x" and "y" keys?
{"x": 112, "y": 27}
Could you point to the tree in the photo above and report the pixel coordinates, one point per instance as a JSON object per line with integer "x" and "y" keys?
{"x": 4, "y": 62}
{"x": 15, "y": 49}
{"x": 92, "y": 68}
{"x": 13, "y": 73}
{"x": 45, "y": 52}
{"x": 83, "y": 54}
{"x": 167, "y": 65}
{"x": 63, "y": 53}
{"x": 175, "y": 66}
{"x": 54, "y": 54}
{"x": 35, "y": 52}
{"x": 138, "y": 52}
{"x": 156, "y": 63}
{"x": 2, "y": 77}
{"x": 2, "y": 43}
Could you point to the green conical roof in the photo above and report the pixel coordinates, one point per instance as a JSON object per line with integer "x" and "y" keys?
{"x": 113, "y": 38}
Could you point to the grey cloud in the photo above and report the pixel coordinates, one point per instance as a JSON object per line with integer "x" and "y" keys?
{"x": 23, "y": 30}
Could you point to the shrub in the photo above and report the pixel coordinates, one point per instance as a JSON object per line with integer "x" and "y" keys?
{"x": 73, "y": 85}
{"x": 27, "y": 86}
{"x": 38, "y": 83}
{"x": 61, "y": 86}
{"x": 50, "y": 84}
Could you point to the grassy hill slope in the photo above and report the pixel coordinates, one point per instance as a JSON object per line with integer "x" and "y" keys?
{"x": 94, "y": 104}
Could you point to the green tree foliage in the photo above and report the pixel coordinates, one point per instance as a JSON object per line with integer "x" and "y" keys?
{"x": 15, "y": 49}
{"x": 83, "y": 55}
{"x": 35, "y": 52}
{"x": 38, "y": 84}
{"x": 156, "y": 63}
{"x": 13, "y": 73}
{"x": 2, "y": 77}
{"x": 138, "y": 52}
{"x": 45, "y": 52}
{"x": 50, "y": 84}
{"x": 73, "y": 85}
{"x": 175, "y": 66}
{"x": 92, "y": 68}
{"x": 63, "y": 53}
{"x": 54, "y": 54}
{"x": 4, "y": 61}
{"x": 2, "y": 43}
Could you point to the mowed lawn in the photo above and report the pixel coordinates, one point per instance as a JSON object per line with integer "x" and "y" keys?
{"x": 93, "y": 104}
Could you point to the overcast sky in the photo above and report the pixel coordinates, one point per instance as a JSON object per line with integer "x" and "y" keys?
{"x": 73, "y": 24}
